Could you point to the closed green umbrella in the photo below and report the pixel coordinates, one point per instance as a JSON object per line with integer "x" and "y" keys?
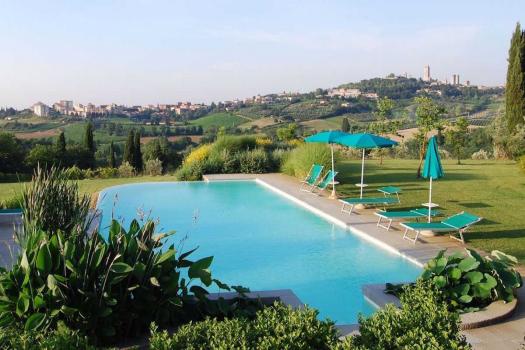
{"x": 329, "y": 137}
{"x": 432, "y": 169}
{"x": 365, "y": 141}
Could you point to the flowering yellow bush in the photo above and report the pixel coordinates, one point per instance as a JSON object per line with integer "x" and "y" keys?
{"x": 263, "y": 141}
{"x": 198, "y": 154}
{"x": 295, "y": 142}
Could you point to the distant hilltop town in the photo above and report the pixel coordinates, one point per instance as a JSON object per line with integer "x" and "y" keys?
{"x": 429, "y": 86}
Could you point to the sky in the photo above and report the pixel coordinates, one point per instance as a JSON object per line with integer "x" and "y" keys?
{"x": 148, "y": 52}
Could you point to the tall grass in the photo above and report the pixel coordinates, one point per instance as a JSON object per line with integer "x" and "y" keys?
{"x": 300, "y": 160}
{"x": 50, "y": 202}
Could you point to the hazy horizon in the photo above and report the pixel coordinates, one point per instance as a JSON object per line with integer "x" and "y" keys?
{"x": 141, "y": 52}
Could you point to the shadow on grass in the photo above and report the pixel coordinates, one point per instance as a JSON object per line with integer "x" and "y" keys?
{"x": 475, "y": 205}
{"x": 502, "y": 234}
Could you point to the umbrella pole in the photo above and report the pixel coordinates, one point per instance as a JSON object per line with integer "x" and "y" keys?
{"x": 333, "y": 195}
{"x": 362, "y": 173}
{"x": 430, "y": 199}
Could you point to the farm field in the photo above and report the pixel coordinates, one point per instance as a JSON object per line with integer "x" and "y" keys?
{"x": 217, "y": 120}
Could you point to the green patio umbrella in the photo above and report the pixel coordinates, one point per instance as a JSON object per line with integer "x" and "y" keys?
{"x": 365, "y": 141}
{"x": 432, "y": 169}
{"x": 329, "y": 137}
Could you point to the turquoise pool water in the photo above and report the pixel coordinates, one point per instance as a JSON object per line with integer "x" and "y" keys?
{"x": 262, "y": 240}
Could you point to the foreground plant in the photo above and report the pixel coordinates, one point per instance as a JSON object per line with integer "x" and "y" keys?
{"x": 472, "y": 282}
{"x": 423, "y": 322}
{"x": 275, "y": 327}
{"x": 50, "y": 202}
{"x": 106, "y": 289}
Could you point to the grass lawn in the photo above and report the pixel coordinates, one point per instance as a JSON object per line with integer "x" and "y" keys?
{"x": 494, "y": 190}
{"x": 8, "y": 190}
{"x": 219, "y": 119}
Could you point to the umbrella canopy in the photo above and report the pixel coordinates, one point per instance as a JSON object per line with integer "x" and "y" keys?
{"x": 329, "y": 137}
{"x": 326, "y": 136}
{"x": 365, "y": 141}
{"x": 432, "y": 169}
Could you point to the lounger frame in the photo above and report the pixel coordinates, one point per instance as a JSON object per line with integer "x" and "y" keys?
{"x": 460, "y": 230}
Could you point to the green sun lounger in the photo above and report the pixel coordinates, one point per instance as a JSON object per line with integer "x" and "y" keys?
{"x": 352, "y": 202}
{"x": 390, "y": 216}
{"x": 459, "y": 222}
{"x": 388, "y": 198}
{"x": 327, "y": 179}
{"x": 311, "y": 179}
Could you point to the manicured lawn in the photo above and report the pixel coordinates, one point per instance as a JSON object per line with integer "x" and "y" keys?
{"x": 8, "y": 190}
{"x": 218, "y": 120}
{"x": 494, "y": 190}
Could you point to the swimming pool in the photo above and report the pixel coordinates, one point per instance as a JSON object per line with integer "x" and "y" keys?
{"x": 264, "y": 241}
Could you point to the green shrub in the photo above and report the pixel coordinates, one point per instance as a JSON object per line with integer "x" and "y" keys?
{"x": 60, "y": 339}
{"x": 50, "y": 202}
{"x": 74, "y": 173}
{"x": 126, "y": 170}
{"x": 106, "y": 289}
{"x": 191, "y": 171}
{"x": 472, "y": 282}
{"x": 107, "y": 173}
{"x": 89, "y": 173}
{"x": 153, "y": 167}
{"x": 274, "y": 327}
{"x": 234, "y": 144}
{"x": 300, "y": 160}
{"x": 423, "y": 322}
{"x": 254, "y": 162}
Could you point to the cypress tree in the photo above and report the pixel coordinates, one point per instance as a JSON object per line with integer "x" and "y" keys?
{"x": 61, "y": 143}
{"x": 137, "y": 157}
{"x": 112, "y": 162}
{"x": 89, "y": 143}
{"x": 515, "y": 87}
{"x": 345, "y": 125}
{"x": 129, "y": 149}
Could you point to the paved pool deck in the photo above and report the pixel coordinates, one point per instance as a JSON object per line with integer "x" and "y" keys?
{"x": 507, "y": 335}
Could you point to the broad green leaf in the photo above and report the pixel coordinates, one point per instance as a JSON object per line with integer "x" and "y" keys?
{"x": 490, "y": 281}
{"x": 38, "y": 302}
{"x": 22, "y": 305}
{"x": 454, "y": 273}
{"x": 105, "y": 312}
{"x": 440, "y": 281}
{"x": 465, "y": 299}
{"x": 165, "y": 256}
{"x": 474, "y": 276}
{"x": 121, "y": 268}
{"x": 35, "y": 321}
{"x": 468, "y": 264}
{"x": 68, "y": 311}
{"x": 43, "y": 259}
{"x": 51, "y": 282}
{"x": 202, "y": 264}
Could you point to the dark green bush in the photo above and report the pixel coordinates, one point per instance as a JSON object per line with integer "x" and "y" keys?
{"x": 274, "y": 327}
{"x": 60, "y": 339}
{"x": 423, "y": 322}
